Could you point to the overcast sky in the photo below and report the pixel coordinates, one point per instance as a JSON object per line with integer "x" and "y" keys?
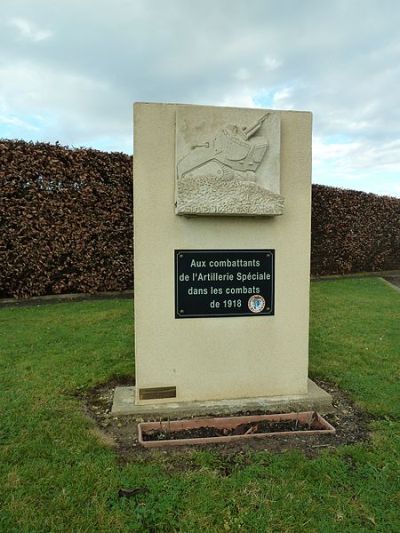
{"x": 71, "y": 69}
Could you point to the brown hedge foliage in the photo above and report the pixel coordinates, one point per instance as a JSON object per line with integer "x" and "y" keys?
{"x": 353, "y": 231}
{"x": 65, "y": 220}
{"x": 66, "y": 223}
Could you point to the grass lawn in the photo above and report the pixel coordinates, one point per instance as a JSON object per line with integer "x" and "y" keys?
{"x": 56, "y": 476}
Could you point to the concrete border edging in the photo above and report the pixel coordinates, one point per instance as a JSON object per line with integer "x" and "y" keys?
{"x": 64, "y": 298}
{"x": 391, "y": 285}
{"x": 357, "y": 275}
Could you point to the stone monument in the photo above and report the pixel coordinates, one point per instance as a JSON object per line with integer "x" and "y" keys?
{"x": 222, "y": 201}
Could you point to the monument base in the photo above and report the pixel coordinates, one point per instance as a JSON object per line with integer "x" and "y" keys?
{"x": 316, "y": 399}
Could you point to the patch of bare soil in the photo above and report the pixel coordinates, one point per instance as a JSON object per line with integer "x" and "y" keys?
{"x": 120, "y": 432}
{"x": 241, "y": 429}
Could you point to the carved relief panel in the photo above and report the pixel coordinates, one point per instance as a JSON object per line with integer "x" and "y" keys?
{"x": 227, "y": 162}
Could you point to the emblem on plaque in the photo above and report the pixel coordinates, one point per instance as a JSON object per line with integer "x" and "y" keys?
{"x": 256, "y": 303}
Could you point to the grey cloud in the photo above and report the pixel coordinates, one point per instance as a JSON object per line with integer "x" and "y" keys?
{"x": 338, "y": 59}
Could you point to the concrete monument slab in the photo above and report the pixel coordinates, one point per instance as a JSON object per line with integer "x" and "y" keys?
{"x": 221, "y": 302}
{"x": 315, "y": 399}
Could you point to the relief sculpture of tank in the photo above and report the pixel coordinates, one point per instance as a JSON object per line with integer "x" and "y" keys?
{"x": 232, "y": 152}
{"x": 219, "y": 174}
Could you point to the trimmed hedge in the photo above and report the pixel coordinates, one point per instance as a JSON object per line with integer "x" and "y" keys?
{"x": 65, "y": 220}
{"x": 66, "y": 223}
{"x": 353, "y": 231}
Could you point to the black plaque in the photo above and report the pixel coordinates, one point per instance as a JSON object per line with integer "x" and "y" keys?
{"x": 215, "y": 283}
